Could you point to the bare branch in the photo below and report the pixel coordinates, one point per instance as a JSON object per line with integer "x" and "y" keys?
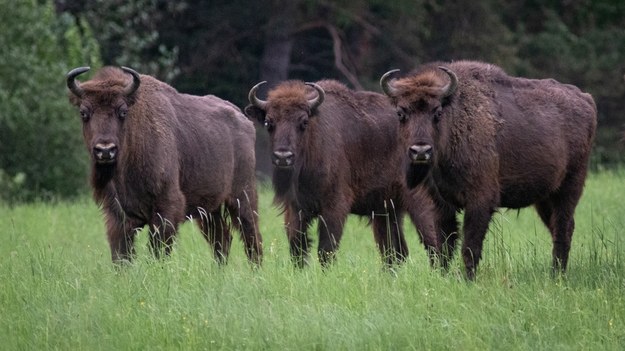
{"x": 338, "y": 57}
{"x": 337, "y": 48}
{"x": 375, "y": 31}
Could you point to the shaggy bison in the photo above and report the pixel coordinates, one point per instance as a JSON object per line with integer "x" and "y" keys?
{"x": 158, "y": 156}
{"x": 334, "y": 152}
{"x": 490, "y": 140}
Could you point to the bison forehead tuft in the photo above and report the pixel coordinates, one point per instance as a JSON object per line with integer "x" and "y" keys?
{"x": 426, "y": 84}
{"x": 291, "y": 93}
{"x": 108, "y": 80}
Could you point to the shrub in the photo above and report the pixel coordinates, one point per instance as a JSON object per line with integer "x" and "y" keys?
{"x": 41, "y": 152}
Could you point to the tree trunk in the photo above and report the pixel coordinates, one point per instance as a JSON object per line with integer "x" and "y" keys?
{"x": 274, "y": 67}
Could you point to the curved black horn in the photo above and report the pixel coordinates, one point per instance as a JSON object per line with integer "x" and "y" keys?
{"x": 450, "y": 88}
{"x": 136, "y": 81}
{"x": 255, "y": 100}
{"x": 73, "y": 86}
{"x": 321, "y": 95}
{"x": 385, "y": 83}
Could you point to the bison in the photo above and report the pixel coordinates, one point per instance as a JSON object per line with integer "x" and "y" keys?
{"x": 159, "y": 156}
{"x": 334, "y": 152}
{"x": 489, "y": 140}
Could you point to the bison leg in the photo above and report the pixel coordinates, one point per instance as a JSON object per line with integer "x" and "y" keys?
{"x": 168, "y": 213}
{"x": 162, "y": 233}
{"x": 243, "y": 214}
{"x": 330, "y": 229}
{"x": 216, "y": 233}
{"x": 448, "y": 233}
{"x": 557, "y": 213}
{"x": 389, "y": 237}
{"x": 297, "y": 223}
{"x": 476, "y": 220}
{"x": 561, "y": 226}
{"x": 121, "y": 236}
{"x": 424, "y": 216}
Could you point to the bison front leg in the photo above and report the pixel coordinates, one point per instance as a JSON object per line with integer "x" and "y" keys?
{"x": 425, "y": 217}
{"x": 121, "y": 234}
{"x": 476, "y": 220}
{"x": 389, "y": 237}
{"x": 162, "y": 233}
{"x": 330, "y": 232}
{"x": 297, "y": 223}
{"x": 168, "y": 213}
{"x": 447, "y": 233}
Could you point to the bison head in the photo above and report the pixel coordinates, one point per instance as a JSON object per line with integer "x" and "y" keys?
{"x": 420, "y": 100}
{"x": 285, "y": 115}
{"x": 104, "y": 104}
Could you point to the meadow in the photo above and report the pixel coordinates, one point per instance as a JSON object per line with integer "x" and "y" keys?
{"x": 59, "y": 290}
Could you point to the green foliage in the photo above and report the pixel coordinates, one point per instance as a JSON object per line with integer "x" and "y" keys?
{"x": 60, "y": 290}
{"x": 129, "y": 34}
{"x": 40, "y": 139}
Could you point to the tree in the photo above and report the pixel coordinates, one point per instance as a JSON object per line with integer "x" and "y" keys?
{"x": 41, "y": 152}
{"x": 225, "y": 47}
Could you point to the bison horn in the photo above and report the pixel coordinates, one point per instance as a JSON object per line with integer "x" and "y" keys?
{"x": 73, "y": 86}
{"x": 450, "y": 88}
{"x": 136, "y": 81}
{"x": 254, "y": 100}
{"x": 321, "y": 95}
{"x": 385, "y": 83}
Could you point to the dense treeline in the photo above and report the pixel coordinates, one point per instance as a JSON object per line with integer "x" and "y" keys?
{"x": 225, "y": 47}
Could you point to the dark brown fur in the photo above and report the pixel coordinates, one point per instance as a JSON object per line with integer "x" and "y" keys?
{"x": 178, "y": 156}
{"x": 345, "y": 156}
{"x": 499, "y": 141}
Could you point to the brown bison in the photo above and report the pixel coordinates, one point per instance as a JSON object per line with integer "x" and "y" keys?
{"x": 159, "y": 156}
{"x": 334, "y": 152}
{"x": 490, "y": 140}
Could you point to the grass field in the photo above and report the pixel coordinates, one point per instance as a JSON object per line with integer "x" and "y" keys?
{"x": 59, "y": 291}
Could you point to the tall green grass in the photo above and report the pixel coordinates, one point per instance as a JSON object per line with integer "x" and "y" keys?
{"x": 59, "y": 291}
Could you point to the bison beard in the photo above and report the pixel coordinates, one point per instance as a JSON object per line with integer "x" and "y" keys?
{"x": 497, "y": 141}
{"x": 416, "y": 174}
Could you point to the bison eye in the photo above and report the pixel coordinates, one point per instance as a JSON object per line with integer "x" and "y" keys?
{"x": 402, "y": 116}
{"x": 122, "y": 113}
{"x": 269, "y": 125}
{"x": 84, "y": 115}
{"x": 303, "y": 125}
{"x": 436, "y": 116}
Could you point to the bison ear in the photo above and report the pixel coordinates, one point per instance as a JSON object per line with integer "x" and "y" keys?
{"x": 255, "y": 113}
{"x": 73, "y": 99}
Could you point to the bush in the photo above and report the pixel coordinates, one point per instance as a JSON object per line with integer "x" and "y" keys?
{"x": 41, "y": 152}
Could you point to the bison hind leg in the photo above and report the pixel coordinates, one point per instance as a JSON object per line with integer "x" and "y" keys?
{"x": 560, "y": 223}
{"x": 243, "y": 212}
{"x": 217, "y": 233}
{"x": 557, "y": 213}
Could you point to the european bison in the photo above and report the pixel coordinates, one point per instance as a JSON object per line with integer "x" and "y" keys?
{"x": 334, "y": 152}
{"x": 490, "y": 140}
{"x": 158, "y": 156}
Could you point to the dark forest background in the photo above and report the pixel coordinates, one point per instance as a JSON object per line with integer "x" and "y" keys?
{"x": 225, "y": 47}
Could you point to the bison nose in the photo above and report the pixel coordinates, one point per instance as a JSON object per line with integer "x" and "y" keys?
{"x": 420, "y": 153}
{"x": 283, "y": 158}
{"x": 105, "y": 153}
